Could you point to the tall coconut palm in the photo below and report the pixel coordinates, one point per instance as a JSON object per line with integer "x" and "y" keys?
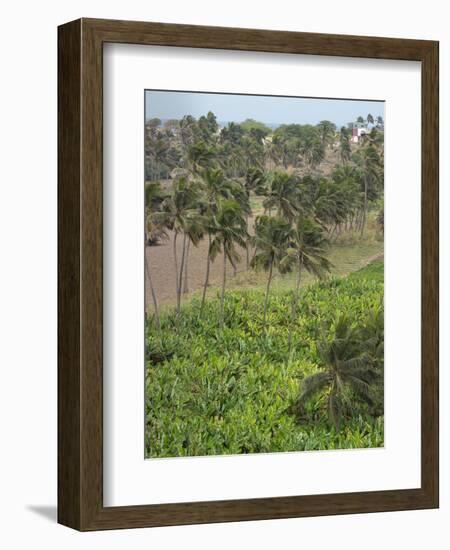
{"x": 372, "y": 335}
{"x": 313, "y": 150}
{"x": 376, "y": 138}
{"x": 177, "y": 214}
{"x": 274, "y": 152}
{"x": 228, "y": 228}
{"x": 255, "y": 180}
{"x": 253, "y": 150}
{"x": 380, "y": 218}
{"x": 231, "y": 148}
{"x": 187, "y": 131}
{"x": 200, "y": 155}
{"x": 347, "y": 193}
{"x": 208, "y": 127}
{"x": 282, "y": 194}
{"x": 152, "y": 291}
{"x": 271, "y": 240}
{"x": 193, "y": 229}
{"x": 156, "y": 154}
{"x": 344, "y": 145}
{"x": 327, "y": 130}
{"x": 214, "y": 187}
{"x": 154, "y": 197}
{"x": 329, "y": 204}
{"x": 306, "y": 251}
{"x": 346, "y": 371}
{"x": 241, "y": 196}
{"x": 368, "y": 161}
{"x": 155, "y": 231}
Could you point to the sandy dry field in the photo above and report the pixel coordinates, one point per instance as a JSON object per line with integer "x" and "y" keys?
{"x": 160, "y": 260}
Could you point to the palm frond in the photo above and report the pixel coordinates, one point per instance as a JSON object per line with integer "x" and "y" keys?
{"x": 313, "y": 384}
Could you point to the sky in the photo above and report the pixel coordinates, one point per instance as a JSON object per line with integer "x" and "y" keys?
{"x": 267, "y": 109}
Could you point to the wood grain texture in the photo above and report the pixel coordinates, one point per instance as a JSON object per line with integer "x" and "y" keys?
{"x": 69, "y": 288}
{"x": 430, "y": 273}
{"x": 80, "y": 241}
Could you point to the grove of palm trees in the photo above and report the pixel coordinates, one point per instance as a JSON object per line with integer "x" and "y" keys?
{"x": 264, "y": 324}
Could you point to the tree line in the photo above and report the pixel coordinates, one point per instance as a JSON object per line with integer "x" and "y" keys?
{"x": 214, "y": 173}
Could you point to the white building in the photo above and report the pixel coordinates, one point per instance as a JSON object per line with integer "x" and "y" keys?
{"x": 359, "y": 130}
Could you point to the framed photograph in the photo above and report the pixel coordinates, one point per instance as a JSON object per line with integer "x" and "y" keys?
{"x": 248, "y": 274}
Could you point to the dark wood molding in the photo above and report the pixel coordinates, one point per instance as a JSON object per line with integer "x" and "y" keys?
{"x": 69, "y": 288}
{"x": 80, "y": 264}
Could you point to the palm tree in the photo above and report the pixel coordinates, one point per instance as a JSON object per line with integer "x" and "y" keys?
{"x": 214, "y": 186}
{"x": 372, "y": 334}
{"x": 376, "y": 138}
{"x": 270, "y": 240}
{"x": 380, "y": 218}
{"x": 153, "y": 228}
{"x": 200, "y": 155}
{"x": 240, "y": 194}
{"x": 282, "y": 194}
{"x": 154, "y": 197}
{"x": 255, "y": 180}
{"x": 253, "y": 150}
{"x": 154, "y": 232}
{"x": 187, "y": 130}
{"x": 178, "y": 213}
{"x": 370, "y": 119}
{"x": 156, "y": 153}
{"x": 331, "y": 204}
{"x": 347, "y": 197}
{"x": 274, "y": 153}
{"x": 152, "y": 291}
{"x": 228, "y": 227}
{"x": 313, "y": 150}
{"x": 306, "y": 251}
{"x": 193, "y": 228}
{"x": 344, "y": 145}
{"x": 327, "y": 130}
{"x": 346, "y": 372}
{"x": 208, "y": 127}
{"x": 368, "y": 161}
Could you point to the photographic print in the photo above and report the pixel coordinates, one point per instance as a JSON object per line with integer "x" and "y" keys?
{"x": 264, "y": 274}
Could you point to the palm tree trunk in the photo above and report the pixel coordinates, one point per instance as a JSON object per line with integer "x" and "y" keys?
{"x": 224, "y": 279}
{"x": 266, "y": 301}
{"x": 152, "y": 291}
{"x": 297, "y": 286}
{"x": 295, "y": 303}
{"x": 186, "y": 280}
{"x": 363, "y": 221}
{"x": 175, "y": 260}
{"x": 333, "y": 231}
{"x": 246, "y": 244}
{"x": 208, "y": 265}
{"x": 180, "y": 280}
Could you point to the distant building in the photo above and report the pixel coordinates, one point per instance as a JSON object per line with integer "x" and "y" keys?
{"x": 359, "y": 130}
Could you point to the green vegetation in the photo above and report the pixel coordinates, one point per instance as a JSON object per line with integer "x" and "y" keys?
{"x": 286, "y": 356}
{"x": 236, "y": 390}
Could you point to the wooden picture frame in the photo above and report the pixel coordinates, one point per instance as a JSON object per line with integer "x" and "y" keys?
{"x": 80, "y": 271}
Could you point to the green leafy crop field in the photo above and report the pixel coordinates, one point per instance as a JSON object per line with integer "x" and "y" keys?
{"x": 233, "y": 390}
